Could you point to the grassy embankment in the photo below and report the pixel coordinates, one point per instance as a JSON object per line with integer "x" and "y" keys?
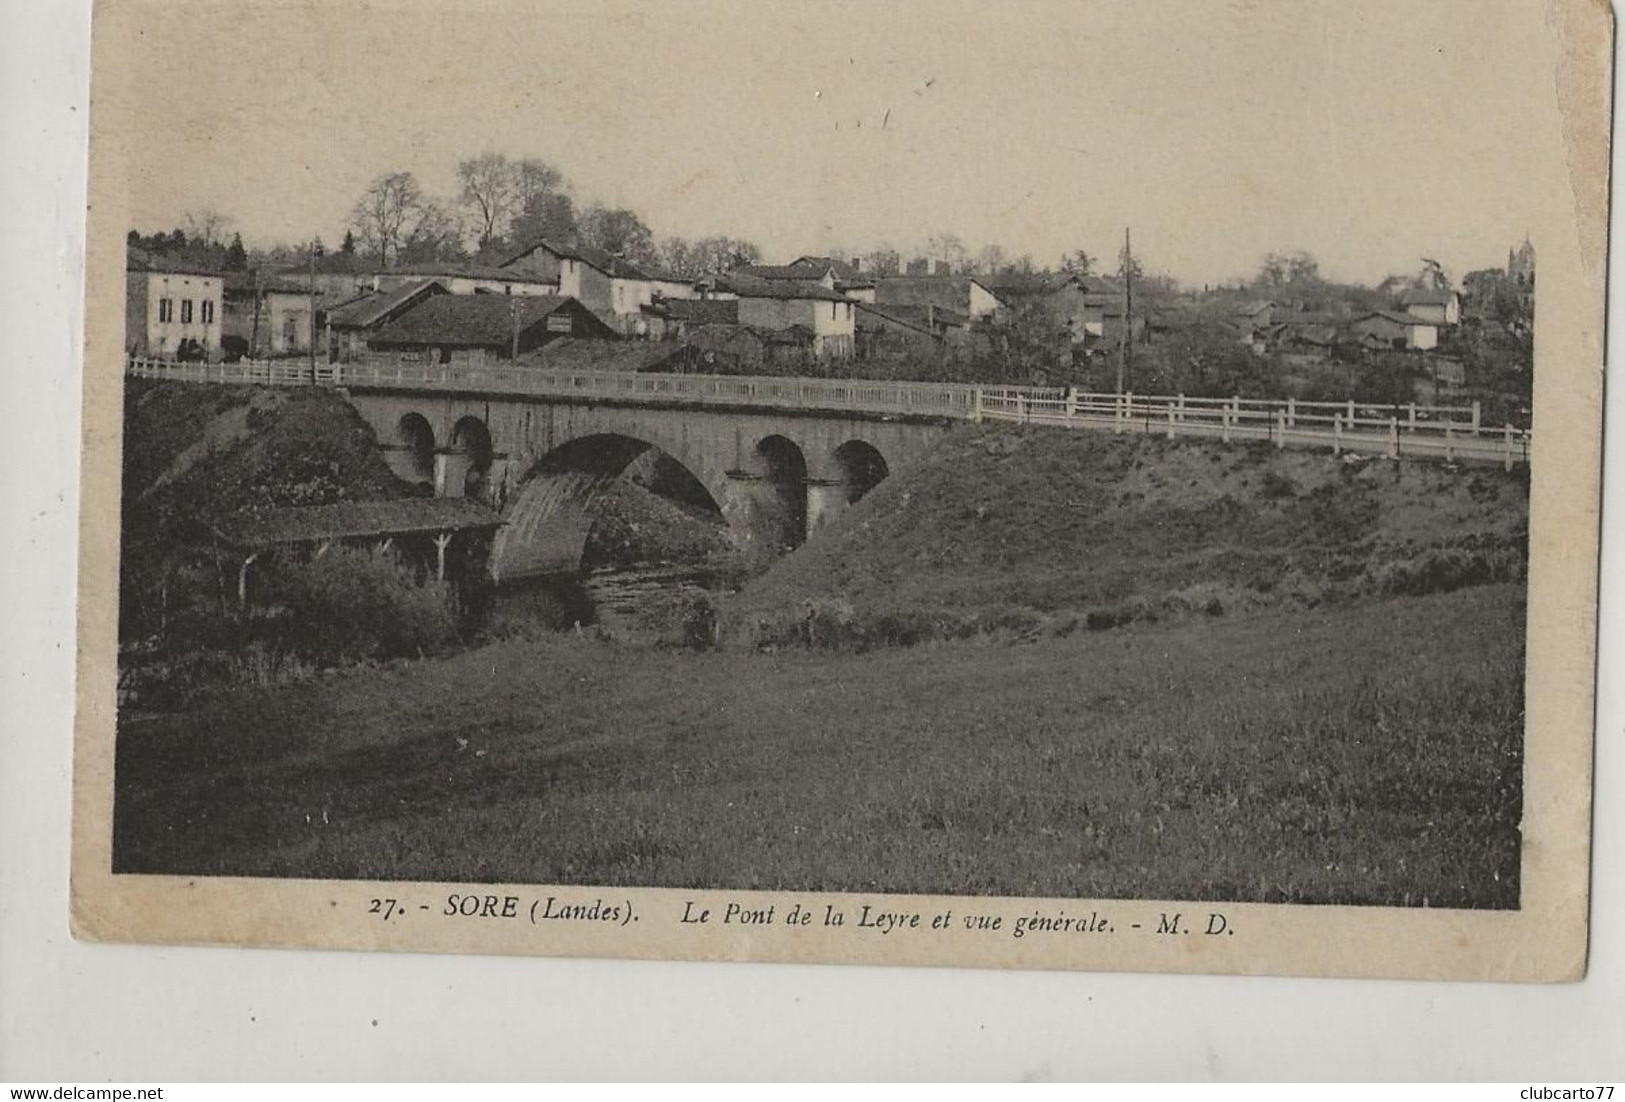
{"x": 1026, "y": 533}
{"x": 1358, "y": 756}
{"x": 1332, "y": 737}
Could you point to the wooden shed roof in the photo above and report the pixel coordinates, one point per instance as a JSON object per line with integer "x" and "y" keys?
{"x": 352, "y": 519}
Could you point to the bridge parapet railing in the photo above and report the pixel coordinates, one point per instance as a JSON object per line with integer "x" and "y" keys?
{"x": 1446, "y": 431}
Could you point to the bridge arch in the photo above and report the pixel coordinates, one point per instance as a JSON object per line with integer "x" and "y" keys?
{"x": 779, "y": 466}
{"x": 415, "y": 447}
{"x": 548, "y": 506}
{"x": 861, "y": 468}
{"x": 469, "y": 454}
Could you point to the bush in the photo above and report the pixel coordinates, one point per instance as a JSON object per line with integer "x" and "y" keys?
{"x": 358, "y": 603}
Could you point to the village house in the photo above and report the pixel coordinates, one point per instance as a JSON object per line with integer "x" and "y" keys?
{"x": 336, "y": 277}
{"x": 897, "y": 331}
{"x": 1437, "y": 307}
{"x": 351, "y": 324}
{"x": 668, "y": 319}
{"x": 465, "y": 279}
{"x": 962, "y": 295}
{"x": 172, "y": 308}
{"x": 573, "y": 354}
{"x": 787, "y": 304}
{"x": 1391, "y": 329}
{"x": 743, "y": 349}
{"x": 846, "y": 277}
{"x": 614, "y": 289}
{"x": 475, "y": 329}
{"x": 266, "y": 315}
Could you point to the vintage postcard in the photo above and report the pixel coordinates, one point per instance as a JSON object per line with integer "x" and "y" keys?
{"x": 1049, "y": 485}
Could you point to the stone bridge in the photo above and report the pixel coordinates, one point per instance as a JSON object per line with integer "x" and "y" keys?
{"x": 774, "y": 475}
{"x": 776, "y": 457}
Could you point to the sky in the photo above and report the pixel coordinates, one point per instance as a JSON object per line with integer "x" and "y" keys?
{"x": 1370, "y": 134}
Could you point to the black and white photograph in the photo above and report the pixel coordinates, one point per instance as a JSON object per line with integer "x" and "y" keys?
{"x": 833, "y": 479}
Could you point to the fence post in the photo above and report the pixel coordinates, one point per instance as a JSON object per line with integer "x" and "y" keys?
{"x": 1337, "y": 434}
{"x": 976, "y": 406}
{"x": 1170, "y": 421}
{"x": 1117, "y": 414}
{"x": 1393, "y": 438}
{"x": 1351, "y": 413}
{"x": 1411, "y": 427}
{"x": 1224, "y": 423}
{"x": 1507, "y": 459}
{"x": 1449, "y": 441}
{"x": 1475, "y": 417}
{"x": 1292, "y": 413}
{"x": 1280, "y": 429}
{"x": 1182, "y": 408}
{"x": 1071, "y": 402}
{"x": 1128, "y": 411}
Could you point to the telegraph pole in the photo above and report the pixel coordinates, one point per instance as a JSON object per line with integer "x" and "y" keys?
{"x": 311, "y": 335}
{"x": 1125, "y": 347}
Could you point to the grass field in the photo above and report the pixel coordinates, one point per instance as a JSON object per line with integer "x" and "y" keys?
{"x": 1368, "y": 753}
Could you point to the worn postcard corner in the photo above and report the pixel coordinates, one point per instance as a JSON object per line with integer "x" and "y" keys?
{"x": 905, "y": 486}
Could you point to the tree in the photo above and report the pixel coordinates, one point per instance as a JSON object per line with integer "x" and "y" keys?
{"x": 1432, "y": 277}
{"x": 990, "y": 260}
{"x": 348, "y": 245}
{"x": 490, "y": 193}
{"x": 619, "y": 232}
{"x": 205, "y": 227}
{"x": 434, "y": 235}
{"x": 391, "y": 212}
{"x": 548, "y": 216}
{"x": 1080, "y": 264}
{"x": 236, "y": 255}
{"x": 946, "y": 247}
{"x": 882, "y": 261}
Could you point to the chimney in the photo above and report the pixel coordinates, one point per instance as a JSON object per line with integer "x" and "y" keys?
{"x": 856, "y": 263}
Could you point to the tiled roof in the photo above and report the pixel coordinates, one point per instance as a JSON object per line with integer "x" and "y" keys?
{"x": 611, "y": 265}
{"x": 748, "y": 287}
{"x": 140, "y": 260}
{"x": 1426, "y": 297}
{"x": 463, "y": 271}
{"x": 370, "y": 310}
{"x": 1394, "y": 316}
{"x": 921, "y": 318}
{"x": 477, "y": 320}
{"x": 700, "y": 311}
{"x": 350, "y": 519}
{"x": 245, "y": 283}
{"x": 950, "y": 292}
{"x": 573, "y": 354}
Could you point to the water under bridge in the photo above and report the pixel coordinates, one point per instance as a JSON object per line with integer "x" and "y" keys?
{"x": 776, "y": 457}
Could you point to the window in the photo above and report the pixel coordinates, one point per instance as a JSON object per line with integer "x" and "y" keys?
{"x": 832, "y": 308}
{"x": 208, "y": 311}
{"x": 186, "y": 311}
{"x": 166, "y": 309}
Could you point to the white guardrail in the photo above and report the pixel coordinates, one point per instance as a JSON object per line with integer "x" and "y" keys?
{"x": 1445, "y": 432}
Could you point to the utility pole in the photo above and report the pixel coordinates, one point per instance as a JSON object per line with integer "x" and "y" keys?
{"x": 1125, "y": 347}
{"x": 254, "y": 333}
{"x": 311, "y": 334}
{"x": 513, "y": 314}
